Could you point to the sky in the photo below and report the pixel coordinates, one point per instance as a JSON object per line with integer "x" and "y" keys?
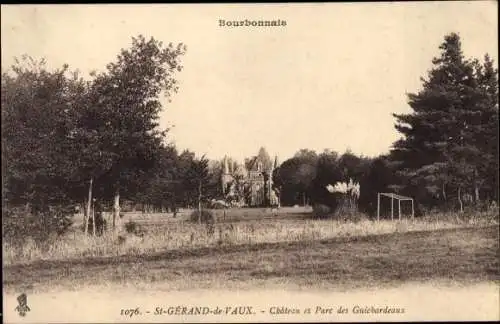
{"x": 330, "y": 79}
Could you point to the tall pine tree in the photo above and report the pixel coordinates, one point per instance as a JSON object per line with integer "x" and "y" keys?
{"x": 447, "y": 148}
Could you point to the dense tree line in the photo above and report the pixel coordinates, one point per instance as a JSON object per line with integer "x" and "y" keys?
{"x": 303, "y": 179}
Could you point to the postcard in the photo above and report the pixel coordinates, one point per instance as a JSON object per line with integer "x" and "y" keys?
{"x": 283, "y": 162}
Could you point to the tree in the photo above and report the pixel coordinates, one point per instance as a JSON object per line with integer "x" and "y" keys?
{"x": 294, "y": 177}
{"x": 200, "y": 173}
{"x": 39, "y": 112}
{"x": 158, "y": 185}
{"x": 440, "y": 153}
{"x": 307, "y": 156}
{"x": 328, "y": 171}
{"x": 187, "y": 187}
{"x": 352, "y": 166}
{"x": 196, "y": 180}
{"x": 66, "y": 140}
{"x": 125, "y": 108}
{"x": 378, "y": 178}
{"x": 486, "y": 135}
{"x": 214, "y": 187}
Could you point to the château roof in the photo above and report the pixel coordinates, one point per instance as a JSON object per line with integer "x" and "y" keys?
{"x": 252, "y": 164}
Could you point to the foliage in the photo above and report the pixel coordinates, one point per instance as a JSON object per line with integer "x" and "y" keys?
{"x": 306, "y": 156}
{"x": 213, "y": 187}
{"x": 194, "y": 176}
{"x": 327, "y": 172}
{"x": 379, "y": 177}
{"x": 60, "y": 133}
{"x": 294, "y": 177}
{"x": 450, "y": 142}
{"x": 19, "y": 224}
{"x": 38, "y": 117}
{"x": 125, "y": 107}
{"x": 351, "y": 166}
{"x": 308, "y": 173}
{"x": 158, "y": 186}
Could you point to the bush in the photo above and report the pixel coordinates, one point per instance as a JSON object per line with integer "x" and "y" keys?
{"x": 132, "y": 227}
{"x": 206, "y": 216}
{"x": 18, "y": 223}
{"x": 322, "y": 211}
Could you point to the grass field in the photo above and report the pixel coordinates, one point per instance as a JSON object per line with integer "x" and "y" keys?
{"x": 236, "y": 227}
{"x": 264, "y": 250}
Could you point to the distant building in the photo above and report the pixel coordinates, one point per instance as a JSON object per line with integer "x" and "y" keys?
{"x": 254, "y": 178}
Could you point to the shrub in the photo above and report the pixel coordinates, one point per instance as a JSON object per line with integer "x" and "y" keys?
{"x": 17, "y": 223}
{"x": 321, "y": 211}
{"x": 132, "y": 227}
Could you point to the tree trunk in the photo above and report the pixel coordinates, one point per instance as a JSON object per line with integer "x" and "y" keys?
{"x": 116, "y": 208}
{"x": 83, "y": 209}
{"x": 460, "y": 200}
{"x": 93, "y": 219}
{"x": 89, "y": 207}
{"x": 476, "y": 193}
{"x": 199, "y": 202}
{"x": 85, "y": 216}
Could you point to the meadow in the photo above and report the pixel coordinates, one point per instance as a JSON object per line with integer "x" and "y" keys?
{"x": 252, "y": 247}
{"x": 162, "y": 232}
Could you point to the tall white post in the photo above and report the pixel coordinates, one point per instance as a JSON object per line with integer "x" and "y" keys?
{"x": 378, "y": 206}
{"x": 392, "y": 208}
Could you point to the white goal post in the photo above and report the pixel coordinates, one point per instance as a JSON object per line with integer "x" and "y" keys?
{"x": 399, "y": 198}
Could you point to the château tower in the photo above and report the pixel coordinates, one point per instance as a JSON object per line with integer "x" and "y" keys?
{"x": 257, "y": 173}
{"x": 226, "y": 175}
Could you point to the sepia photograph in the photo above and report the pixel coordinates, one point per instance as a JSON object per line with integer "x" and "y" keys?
{"x": 281, "y": 162}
